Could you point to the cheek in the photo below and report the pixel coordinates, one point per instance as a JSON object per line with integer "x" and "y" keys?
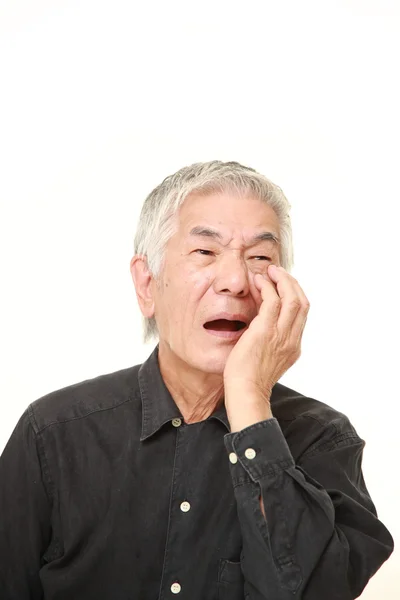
{"x": 184, "y": 289}
{"x": 200, "y": 283}
{"x": 195, "y": 277}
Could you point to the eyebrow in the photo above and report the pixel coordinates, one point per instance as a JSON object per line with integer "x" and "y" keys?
{"x": 214, "y": 234}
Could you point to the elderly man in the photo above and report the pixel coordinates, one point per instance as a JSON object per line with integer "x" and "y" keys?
{"x": 196, "y": 474}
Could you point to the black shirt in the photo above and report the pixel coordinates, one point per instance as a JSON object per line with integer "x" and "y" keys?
{"x": 107, "y": 494}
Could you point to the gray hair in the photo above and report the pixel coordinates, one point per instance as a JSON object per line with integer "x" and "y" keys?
{"x": 158, "y": 220}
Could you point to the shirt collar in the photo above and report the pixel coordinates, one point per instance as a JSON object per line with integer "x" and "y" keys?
{"x": 158, "y": 406}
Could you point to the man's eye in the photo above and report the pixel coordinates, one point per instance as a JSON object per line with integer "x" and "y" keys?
{"x": 201, "y": 250}
{"x": 210, "y": 251}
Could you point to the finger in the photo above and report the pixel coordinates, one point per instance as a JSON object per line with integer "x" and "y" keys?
{"x": 291, "y": 297}
{"x": 290, "y": 314}
{"x": 298, "y": 323}
{"x": 271, "y": 303}
{"x": 301, "y": 319}
{"x": 294, "y": 305}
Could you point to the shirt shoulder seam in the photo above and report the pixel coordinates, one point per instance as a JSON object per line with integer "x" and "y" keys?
{"x": 39, "y": 430}
{"x": 43, "y": 463}
{"x": 341, "y": 439}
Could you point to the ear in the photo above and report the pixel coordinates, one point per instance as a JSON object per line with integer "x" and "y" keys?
{"x": 142, "y": 280}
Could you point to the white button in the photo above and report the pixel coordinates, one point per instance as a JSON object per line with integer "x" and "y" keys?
{"x": 250, "y": 453}
{"x": 176, "y": 422}
{"x": 233, "y": 457}
{"x": 185, "y": 506}
{"x": 175, "y": 588}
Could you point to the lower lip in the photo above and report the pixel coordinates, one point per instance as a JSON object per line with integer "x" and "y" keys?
{"x": 228, "y": 335}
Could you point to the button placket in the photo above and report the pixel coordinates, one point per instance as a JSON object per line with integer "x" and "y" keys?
{"x": 184, "y": 506}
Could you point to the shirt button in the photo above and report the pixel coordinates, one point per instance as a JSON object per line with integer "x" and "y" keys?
{"x": 175, "y": 588}
{"x": 176, "y": 422}
{"x": 185, "y": 506}
{"x": 233, "y": 458}
{"x": 250, "y": 453}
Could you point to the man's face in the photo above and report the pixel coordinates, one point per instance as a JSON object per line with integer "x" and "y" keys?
{"x": 220, "y": 278}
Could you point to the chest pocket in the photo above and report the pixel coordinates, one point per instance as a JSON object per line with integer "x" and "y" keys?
{"x": 230, "y": 580}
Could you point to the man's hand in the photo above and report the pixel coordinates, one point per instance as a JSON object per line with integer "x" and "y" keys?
{"x": 269, "y": 347}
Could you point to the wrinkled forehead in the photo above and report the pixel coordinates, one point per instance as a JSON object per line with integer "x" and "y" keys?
{"x": 217, "y": 215}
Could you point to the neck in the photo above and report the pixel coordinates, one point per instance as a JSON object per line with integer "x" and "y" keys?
{"x": 197, "y": 394}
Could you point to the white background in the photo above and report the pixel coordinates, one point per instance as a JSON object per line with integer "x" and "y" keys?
{"x": 99, "y": 101}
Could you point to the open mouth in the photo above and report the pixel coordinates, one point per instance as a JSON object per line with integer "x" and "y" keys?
{"x": 224, "y": 325}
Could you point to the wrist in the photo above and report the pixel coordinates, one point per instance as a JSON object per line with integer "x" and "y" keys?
{"x": 245, "y": 407}
{"x": 236, "y": 387}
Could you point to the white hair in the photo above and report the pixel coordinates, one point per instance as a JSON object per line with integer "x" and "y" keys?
{"x": 158, "y": 220}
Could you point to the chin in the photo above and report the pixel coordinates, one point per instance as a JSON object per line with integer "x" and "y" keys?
{"x": 212, "y": 361}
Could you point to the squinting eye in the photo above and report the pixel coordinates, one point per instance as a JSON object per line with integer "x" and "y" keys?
{"x": 201, "y": 250}
{"x": 210, "y": 251}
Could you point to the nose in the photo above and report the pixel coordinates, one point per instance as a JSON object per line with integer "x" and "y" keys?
{"x": 232, "y": 276}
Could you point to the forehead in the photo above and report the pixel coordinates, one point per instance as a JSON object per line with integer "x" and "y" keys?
{"x": 229, "y": 213}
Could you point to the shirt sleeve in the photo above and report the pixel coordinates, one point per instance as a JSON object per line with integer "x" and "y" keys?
{"x": 24, "y": 515}
{"x": 321, "y": 537}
